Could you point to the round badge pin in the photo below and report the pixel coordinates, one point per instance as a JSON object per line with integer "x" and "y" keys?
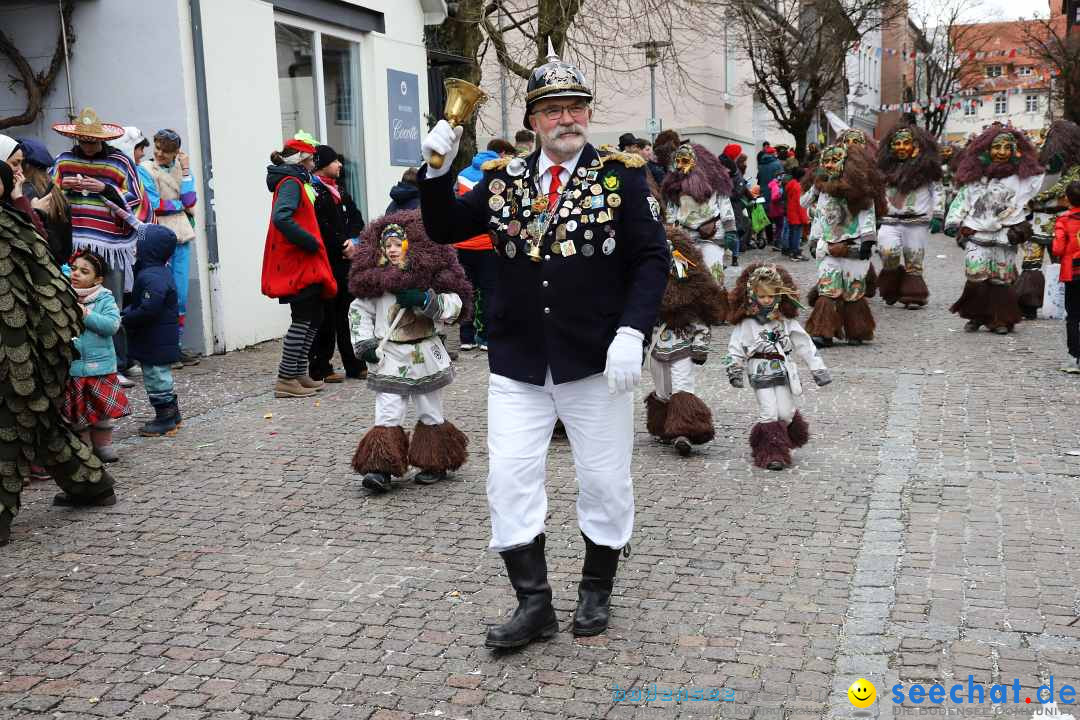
{"x": 588, "y": 234}
{"x": 513, "y": 228}
{"x": 496, "y": 202}
{"x": 587, "y": 250}
{"x": 511, "y": 250}
{"x": 613, "y": 200}
{"x": 571, "y": 226}
{"x": 609, "y": 246}
{"x": 496, "y": 186}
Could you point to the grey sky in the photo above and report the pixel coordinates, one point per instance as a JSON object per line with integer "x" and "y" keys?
{"x": 988, "y": 10}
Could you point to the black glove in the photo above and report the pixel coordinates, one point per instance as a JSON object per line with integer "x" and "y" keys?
{"x": 866, "y": 247}
{"x": 111, "y": 193}
{"x": 411, "y": 298}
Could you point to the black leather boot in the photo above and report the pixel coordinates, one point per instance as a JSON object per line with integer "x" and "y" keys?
{"x": 535, "y": 616}
{"x": 594, "y": 591}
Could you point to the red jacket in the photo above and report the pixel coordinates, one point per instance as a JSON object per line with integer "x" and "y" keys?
{"x": 796, "y": 213}
{"x": 1067, "y": 242}
{"x": 287, "y": 268}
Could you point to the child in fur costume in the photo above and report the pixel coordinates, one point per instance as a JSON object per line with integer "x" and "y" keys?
{"x": 696, "y": 194}
{"x": 692, "y": 302}
{"x": 1060, "y": 154}
{"x": 762, "y": 347}
{"x": 998, "y": 173}
{"x": 843, "y": 228}
{"x": 909, "y": 160}
{"x": 404, "y": 284}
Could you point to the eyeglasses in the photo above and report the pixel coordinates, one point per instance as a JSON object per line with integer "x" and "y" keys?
{"x": 555, "y": 112}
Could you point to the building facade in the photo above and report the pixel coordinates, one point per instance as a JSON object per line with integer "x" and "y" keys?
{"x": 234, "y": 78}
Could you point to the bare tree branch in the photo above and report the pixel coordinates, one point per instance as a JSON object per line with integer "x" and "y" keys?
{"x": 37, "y": 85}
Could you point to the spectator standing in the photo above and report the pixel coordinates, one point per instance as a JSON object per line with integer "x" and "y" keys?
{"x": 797, "y": 216}
{"x": 740, "y": 197}
{"x": 769, "y": 168}
{"x": 476, "y": 255}
{"x": 170, "y": 190}
{"x": 132, "y": 143}
{"x": 90, "y": 173}
{"x": 47, "y": 198}
{"x": 1066, "y": 249}
{"x": 339, "y": 223}
{"x": 524, "y": 142}
{"x": 406, "y": 194}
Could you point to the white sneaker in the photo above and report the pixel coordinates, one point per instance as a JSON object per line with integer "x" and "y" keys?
{"x": 1072, "y": 366}
{"x": 468, "y": 346}
{"x": 124, "y": 381}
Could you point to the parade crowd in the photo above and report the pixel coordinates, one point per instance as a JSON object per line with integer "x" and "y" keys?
{"x": 575, "y": 268}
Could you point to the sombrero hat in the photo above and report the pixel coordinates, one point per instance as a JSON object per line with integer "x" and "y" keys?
{"x": 90, "y": 127}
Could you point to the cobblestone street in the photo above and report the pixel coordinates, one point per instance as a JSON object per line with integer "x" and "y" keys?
{"x": 927, "y": 532}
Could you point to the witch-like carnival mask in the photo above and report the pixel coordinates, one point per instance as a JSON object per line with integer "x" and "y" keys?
{"x": 1003, "y": 149}
{"x": 853, "y": 137}
{"x": 832, "y": 161}
{"x": 947, "y": 152}
{"x": 685, "y": 159}
{"x": 903, "y": 145}
{"x": 394, "y": 244}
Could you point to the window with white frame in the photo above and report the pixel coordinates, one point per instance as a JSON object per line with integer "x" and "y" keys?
{"x": 1031, "y": 103}
{"x": 1024, "y": 71}
{"x": 1001, "y": 103}
{"x": 993, "y": 71}
{"x": 969, "y": 108}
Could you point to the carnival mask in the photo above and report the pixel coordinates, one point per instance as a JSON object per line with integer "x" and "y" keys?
{"x": 394, "y": 244}
{"x": 947, "y": 153}
{"x": 903, "y": 145}
{"x": 1003, "y": 149}
{"x": 832, "y": 161}
{"x": 853, "y": 137}
{"x": 685, "y": 159}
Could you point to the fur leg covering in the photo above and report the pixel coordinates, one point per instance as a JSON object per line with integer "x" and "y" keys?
{"x": 913, "y": 290}
{"x": 811, "y": 296}
{"x": 858, "y": 320}
{"x": 1029, "y": 289}
{"x": 769, "y": 442}
{"x": 655, "y": 415}
{"x": 1002, "y": 306}
{"x": 972, "y": 303}
{"x": 689, "y": 417}
{"x": 825, "y": 320}
{"x": 438, "y": 448}
{"x": 382, "y": 450}
{"x": 888, "y": 283}
{"x": 872, "y": 282}
{"x": 798, "y": 430}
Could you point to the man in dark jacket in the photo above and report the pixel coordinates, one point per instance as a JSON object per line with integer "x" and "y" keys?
{"x": 152, "y": 321}
{"x": 406, "y": 194}
{"x": 769, "y": 167}
{"x": 339, "y": 221}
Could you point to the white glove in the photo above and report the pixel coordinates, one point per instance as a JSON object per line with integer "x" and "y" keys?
{"x": 624, "y": 357}
{"x": 443, "y": 140}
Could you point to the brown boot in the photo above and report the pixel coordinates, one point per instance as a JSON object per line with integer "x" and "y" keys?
{"x": 307, "y": 382}
{"x": 291, "y": 388}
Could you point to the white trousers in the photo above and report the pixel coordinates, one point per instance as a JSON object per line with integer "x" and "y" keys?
{"x": 391, "y": 409}
{"x": 714, "y": 259}
{"x": 670, "y": 378}
{"x": 776, "y": 403}
{"x": 600, "y": 427}
{"x": 896, "y": 241}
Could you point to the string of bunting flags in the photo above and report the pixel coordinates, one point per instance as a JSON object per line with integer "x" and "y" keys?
{"x": 968, "y": 96}
{"x": 963, "y": 54}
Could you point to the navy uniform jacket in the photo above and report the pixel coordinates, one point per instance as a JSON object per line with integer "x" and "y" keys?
{"x": 603, "y": 260}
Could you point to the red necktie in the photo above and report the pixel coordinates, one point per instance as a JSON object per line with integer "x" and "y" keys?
{"x": 553, "y": 189}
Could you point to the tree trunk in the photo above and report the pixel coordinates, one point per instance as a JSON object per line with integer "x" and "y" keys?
{"x": 464, "y": 39}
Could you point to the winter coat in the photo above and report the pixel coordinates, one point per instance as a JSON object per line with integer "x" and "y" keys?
{"x": 152, "y": 317}
{"x": 338, "y": 220}
{"x": 97, "y": 355}
{"x": 768, "y": 168}
{"x": 796, "y": 213}
{"x": 1067, "y": 242}
{"x": 403, "y": 196}
{"x": 295, "y": 263}
{"x": 466, "y": 181}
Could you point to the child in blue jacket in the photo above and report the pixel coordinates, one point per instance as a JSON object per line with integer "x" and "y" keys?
{"x": 94, "y": 399}
{"x": 152, "y": 321}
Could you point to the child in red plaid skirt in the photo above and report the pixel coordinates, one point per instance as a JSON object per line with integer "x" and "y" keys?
{"x": 94, "y": 398}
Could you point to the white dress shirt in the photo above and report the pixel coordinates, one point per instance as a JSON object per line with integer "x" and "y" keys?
{"x": 544, "y": 165}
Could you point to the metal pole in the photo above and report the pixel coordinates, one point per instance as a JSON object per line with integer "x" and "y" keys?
{"x": 652, "y": 93}
{"x": 67, "y": 65}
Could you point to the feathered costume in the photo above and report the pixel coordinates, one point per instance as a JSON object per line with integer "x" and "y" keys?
{"x": 693, "y": 301}
{"x": 39, "y": 318}
{"x": 413, "y": 363}
{"x": 908, "y": 158}
{"x": 843, "y": 228}
{"x": 762, "y": 348}
{"x": 998, "y": 173}
{"x": 696, "y": 195}
{"x": 1060, "y": 155}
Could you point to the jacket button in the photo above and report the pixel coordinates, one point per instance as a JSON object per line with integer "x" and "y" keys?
{"x": 545, "y": 283}
{"x": 547, "y": 311}
{"x": 547, "y": 257}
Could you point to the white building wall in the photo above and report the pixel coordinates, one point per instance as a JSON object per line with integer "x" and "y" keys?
{"x": 961, "y": 126}
{"x": 863, "y": 68}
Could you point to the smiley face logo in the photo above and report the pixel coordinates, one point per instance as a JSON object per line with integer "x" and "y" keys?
{"x": 862, "y": 693}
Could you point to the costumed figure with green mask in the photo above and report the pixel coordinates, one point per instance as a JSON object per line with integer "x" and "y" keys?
{"x": 998, "y": 174}
{"x": 1060, "y": 154}
{"x": 40, "y": 317}
{"x": 763, "y": 347}
{"x": 908, "y": 158}
{"x": 843, "y": 229}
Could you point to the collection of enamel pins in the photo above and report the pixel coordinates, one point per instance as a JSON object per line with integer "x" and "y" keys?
{"x": 522, "y": 212}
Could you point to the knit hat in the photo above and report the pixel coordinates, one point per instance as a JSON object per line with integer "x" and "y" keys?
{"x": 324, "y": 155}
{"x": 733, "y": 151}
{"x": 770, "y": 150}
{"x": 36, "y": 153}
{"x": 8, "y": 146}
